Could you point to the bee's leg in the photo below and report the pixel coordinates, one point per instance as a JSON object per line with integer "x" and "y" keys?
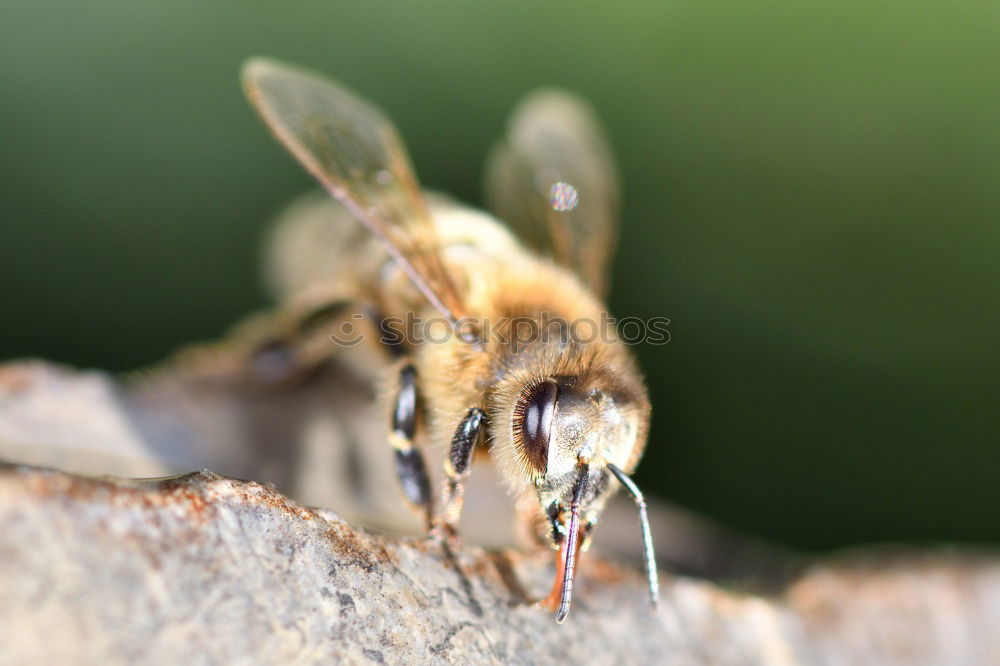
{"x": 284, "y": 348}
{"x": 456, "y": 467}
{"x": 410, "y": 466}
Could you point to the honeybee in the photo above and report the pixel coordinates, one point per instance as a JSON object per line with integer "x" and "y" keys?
{"x": 564, "y": 419}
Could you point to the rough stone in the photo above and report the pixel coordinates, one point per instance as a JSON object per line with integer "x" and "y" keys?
{"x": 204, "y": 569}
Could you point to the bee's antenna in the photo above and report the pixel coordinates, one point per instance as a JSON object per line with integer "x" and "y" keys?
{"x": 572, "y": 540}
{"x": 647, "y": 536}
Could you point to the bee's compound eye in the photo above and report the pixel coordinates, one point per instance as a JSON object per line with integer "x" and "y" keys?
{"x": 533, "y": 421}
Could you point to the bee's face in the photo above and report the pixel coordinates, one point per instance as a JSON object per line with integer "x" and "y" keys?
{"x": 571, "y": 432}
{"x": 567, "y": 430}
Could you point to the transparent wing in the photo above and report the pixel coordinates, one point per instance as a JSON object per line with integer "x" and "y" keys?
{"x": 353, "y": 150}
{"x": 553, "y": 179}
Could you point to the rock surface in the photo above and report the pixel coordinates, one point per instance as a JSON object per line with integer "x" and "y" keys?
{"x": 203, "y": 569}
{"x": 321, "y": 442}
{"x": 206, "y": 569}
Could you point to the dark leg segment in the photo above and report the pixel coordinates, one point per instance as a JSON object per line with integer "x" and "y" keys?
{"x": 456, "y": 467}
{"x": 409, "y": 462}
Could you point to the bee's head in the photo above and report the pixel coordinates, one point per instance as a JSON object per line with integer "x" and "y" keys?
{"x": 559, "y": 428}
{"x": 574, "y": 433}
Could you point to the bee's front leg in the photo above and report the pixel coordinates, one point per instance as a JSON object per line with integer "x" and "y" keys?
{"x": 410, "y": 466}
{"x": 456, "y": 467}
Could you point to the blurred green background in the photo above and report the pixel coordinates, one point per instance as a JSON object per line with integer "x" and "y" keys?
{"x": 811, "y": 195}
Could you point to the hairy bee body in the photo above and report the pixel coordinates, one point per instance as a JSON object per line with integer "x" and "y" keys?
{"x": 485, "y": 342}
{"x": 319, "y": 255}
